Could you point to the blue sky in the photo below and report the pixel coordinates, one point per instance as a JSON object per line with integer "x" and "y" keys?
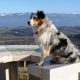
{"x": 49, "y": 6}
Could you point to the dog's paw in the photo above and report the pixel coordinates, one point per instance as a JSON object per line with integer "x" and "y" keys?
{"x": 38, "y": 64}
{"x": 66, "y": 62}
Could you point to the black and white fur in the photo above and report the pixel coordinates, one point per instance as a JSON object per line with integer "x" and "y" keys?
{"x": 52, "y": 41}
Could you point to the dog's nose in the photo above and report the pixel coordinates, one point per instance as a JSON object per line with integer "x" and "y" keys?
{"x": 28, "y": 22}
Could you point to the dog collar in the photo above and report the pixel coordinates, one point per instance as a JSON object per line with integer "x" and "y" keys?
{"x": 35, "y": 33}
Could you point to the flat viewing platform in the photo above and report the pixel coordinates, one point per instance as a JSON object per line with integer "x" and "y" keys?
{"x": 9, "y": 53}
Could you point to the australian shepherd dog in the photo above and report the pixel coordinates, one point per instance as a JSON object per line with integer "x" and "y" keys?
{"x": 52, "y": 41}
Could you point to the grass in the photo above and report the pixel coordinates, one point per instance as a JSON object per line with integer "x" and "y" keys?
{"x": 23, "y": 74}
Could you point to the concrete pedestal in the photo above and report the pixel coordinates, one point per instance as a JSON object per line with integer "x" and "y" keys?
{"x": 55, "y": 72}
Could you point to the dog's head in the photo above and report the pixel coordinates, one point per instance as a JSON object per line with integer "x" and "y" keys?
{"x": 36, "y": 19}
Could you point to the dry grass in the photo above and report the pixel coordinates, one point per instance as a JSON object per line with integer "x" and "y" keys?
{"x": 23, "y": 74}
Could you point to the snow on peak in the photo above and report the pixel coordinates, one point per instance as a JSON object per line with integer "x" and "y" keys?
{"x": 3, "y": 14}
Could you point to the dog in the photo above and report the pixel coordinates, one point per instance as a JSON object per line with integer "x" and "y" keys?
{"x": 52, "y": 41}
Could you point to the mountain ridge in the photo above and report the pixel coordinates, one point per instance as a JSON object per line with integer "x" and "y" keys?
{"x": 20, "y": 19}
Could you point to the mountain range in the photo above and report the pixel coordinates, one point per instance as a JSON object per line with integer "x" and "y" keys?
{"x": 20, "y": 19}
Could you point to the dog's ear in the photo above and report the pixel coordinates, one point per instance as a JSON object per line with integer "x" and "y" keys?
{"x": 31, "y": 15}
{"x": 40, "y": 14}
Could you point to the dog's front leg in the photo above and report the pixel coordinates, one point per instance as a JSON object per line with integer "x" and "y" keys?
{"x": 45, "y": 52}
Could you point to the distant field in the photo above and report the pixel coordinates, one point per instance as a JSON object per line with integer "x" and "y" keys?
{"x": 24, "y": 35}
{"x": 14, "y": 36}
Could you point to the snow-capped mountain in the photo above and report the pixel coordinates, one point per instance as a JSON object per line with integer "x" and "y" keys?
{"x": 2, "y": 14}
{"x": 20, "y": 19}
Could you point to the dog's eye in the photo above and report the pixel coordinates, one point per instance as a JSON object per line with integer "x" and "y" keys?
{"x": 34, "y": 17}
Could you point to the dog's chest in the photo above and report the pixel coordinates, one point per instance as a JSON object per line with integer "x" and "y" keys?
{"x": 43, "y": 38}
